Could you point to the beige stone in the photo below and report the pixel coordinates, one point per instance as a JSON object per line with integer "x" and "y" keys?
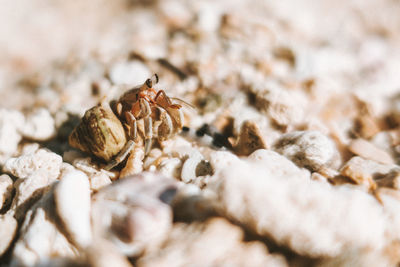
{"x": 6, "y": 187}
{"x": 40, "y": 236}
{"x": 72, "y": 200}
{"x": 134, "y": 164}
{"x": 309, "y": 149}
{"x": 367, "y": 150}
{"x": 367, "y": 172}
{"x": 309, "y": 217}
{"x": 250, "y": 139}
{"x": 8, "y": 229}
{"x": 39, "y": 125}
{"x": 41, "y": 160}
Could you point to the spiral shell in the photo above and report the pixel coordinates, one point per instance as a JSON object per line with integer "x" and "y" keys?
{"x": 100, "y": 133}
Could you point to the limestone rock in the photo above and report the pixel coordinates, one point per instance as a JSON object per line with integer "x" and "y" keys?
{"x": 310, "y": 149}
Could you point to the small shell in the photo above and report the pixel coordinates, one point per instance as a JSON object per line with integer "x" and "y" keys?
{"x": 100, "y": 132}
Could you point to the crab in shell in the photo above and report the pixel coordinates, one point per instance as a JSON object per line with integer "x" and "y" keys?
{"x": 142, "y": 112}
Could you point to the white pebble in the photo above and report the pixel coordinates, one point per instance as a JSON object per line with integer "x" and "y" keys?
{"x": 310, "y": 149}
{"x": 170, "y": 167}
{"x": 40, "y": 160}
{"x": 39, "y": 125}
{"x": 39, "y": 236}
{"x": 10, "y": 122}
{"x": 222, "y": 159}
{"x": 72, "y": 197}
{"x": 189, "y": 169}
{"x": 8, "y": 229}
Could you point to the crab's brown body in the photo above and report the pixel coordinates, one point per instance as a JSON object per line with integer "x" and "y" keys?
{"x": 109, "y": 133}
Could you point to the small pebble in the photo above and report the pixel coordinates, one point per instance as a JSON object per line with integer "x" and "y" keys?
{"x": 250, "y": 139}
{"x": 367, "y": 150}
{"x": 309, "y": 149}
{"x": 72, "y": 198}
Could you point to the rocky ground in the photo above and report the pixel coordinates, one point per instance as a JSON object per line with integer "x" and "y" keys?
{"x": 298, "y": 164}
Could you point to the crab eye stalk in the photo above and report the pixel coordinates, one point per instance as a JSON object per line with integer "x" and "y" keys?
{"x": 151, "y": 81}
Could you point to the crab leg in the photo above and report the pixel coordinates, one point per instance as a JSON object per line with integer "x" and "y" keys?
{"x": 162, "y": 99}
{"x": 177, "y": 117}
{"x": 132, "y": 125}
{"x": 165, "y": 128}
{"x": 148, "y": 124}
{"x": 148, "y": 134}
{"x": 121, "y": 155}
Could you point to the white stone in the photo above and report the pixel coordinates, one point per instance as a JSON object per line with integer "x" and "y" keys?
{"x": 40, "y": 237}
{"x": 170, "y": 167}
{"x": 99, "y": 180}
{"x": 188, "y": 173}
{"x": 8, "y": 229}
{"x": 309, "y": 217}
{"x": 309, "y": 149}
{"x": 72, "y": 198}
{"x": 222, "y": 159}
{"x": 39, "y": 125}
{"x": 277, "y": 164}
{"x": 10, "y": 122}
{"x": 28, "y": 191}
{"x": 41, "y": 160}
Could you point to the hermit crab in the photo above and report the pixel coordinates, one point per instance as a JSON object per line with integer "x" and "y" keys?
{"x": 110, "y": 131}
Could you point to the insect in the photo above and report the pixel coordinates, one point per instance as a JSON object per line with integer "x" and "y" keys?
{"x": 110, "y": 132}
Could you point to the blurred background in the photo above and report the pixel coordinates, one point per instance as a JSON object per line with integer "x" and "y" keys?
{"x": 355, "y": 43}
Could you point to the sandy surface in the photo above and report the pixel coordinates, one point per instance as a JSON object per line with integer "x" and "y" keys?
{"x": 298, "y": 164}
